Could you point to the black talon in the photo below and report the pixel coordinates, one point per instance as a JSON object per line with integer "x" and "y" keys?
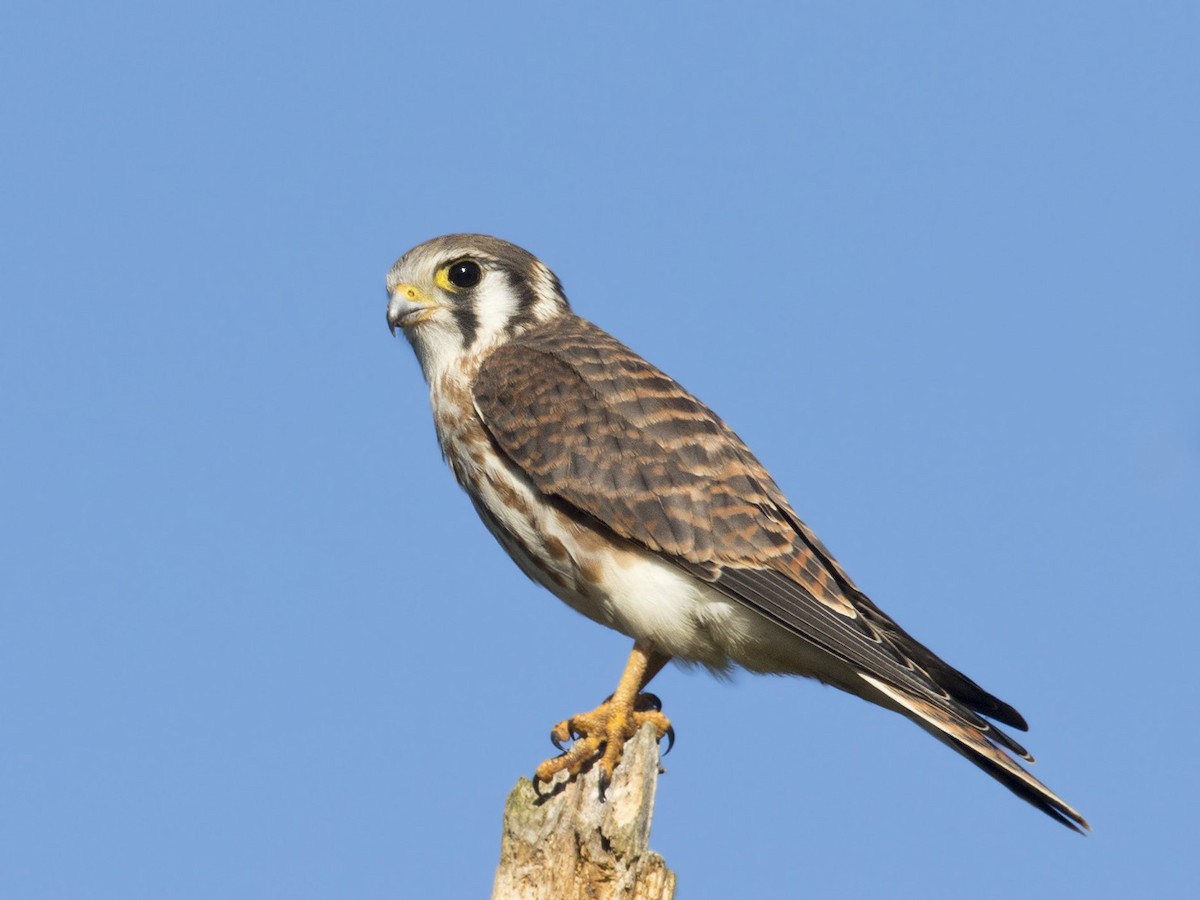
{"x": 648, "y": 701}
{"x": 557, "y": 743}
{"x": 670, "y": 739}
{"x": 605, "y": 781}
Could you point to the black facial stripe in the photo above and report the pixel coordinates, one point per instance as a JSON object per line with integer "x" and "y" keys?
{"x": 526, "y": 300}
{"x": 467, "y": 322}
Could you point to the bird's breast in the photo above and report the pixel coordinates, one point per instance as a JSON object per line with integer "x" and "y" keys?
{"x": 552, "y": 549}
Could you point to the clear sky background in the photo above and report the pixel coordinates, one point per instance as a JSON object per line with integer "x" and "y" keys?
{"x": 937, "y": 263}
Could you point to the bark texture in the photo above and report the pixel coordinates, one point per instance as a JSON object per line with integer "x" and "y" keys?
{"x": 572, "y": 846}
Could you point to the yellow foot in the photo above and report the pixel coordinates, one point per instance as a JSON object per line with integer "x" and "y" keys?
{"x": 602, "y": 733}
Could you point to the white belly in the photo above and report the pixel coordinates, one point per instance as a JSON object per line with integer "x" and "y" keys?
{"x": 638, "y": 593}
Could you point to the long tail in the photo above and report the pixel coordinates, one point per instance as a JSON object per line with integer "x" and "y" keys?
{"x": 970, "y": 741}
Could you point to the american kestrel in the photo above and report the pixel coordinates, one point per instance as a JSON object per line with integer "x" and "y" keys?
{"x": 628, "y": 498}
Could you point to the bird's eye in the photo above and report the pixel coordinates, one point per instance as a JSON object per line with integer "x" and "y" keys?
{"x": 465, "y": 273}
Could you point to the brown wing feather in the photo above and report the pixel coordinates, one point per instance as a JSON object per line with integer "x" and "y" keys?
{"x": 632, "y": 448}
{"x": 592, "y": 423}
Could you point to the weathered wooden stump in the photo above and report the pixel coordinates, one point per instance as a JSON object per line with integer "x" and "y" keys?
{"x": 572, "y": 846}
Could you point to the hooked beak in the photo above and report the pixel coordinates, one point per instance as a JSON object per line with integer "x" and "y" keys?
{"x": 408, "y": 307}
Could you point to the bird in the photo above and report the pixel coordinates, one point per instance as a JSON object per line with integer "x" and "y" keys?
{"x": 638, "y": 506}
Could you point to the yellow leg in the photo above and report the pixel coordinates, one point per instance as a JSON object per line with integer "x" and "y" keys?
{"x": 604, "y": 731}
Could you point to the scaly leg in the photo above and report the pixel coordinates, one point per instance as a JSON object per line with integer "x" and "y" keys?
{"x": 605, "y": 729}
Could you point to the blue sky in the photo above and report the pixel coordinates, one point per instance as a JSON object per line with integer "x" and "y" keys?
{"x": 937, "y": 263}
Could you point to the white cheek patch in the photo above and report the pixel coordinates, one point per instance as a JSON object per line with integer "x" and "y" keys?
{"x": 494, "y": 303}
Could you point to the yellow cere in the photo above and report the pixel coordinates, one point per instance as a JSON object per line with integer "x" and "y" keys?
{"x": 408, "y": 291}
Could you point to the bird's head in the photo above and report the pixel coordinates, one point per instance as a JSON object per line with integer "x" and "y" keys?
{"x": 462, "y": 294}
